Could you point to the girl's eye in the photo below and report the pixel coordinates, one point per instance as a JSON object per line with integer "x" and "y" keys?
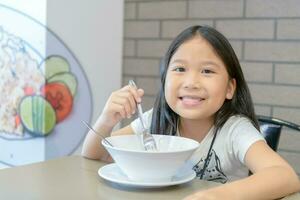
{"x": 179, "y": 69}
{"x": 207, "y": 71}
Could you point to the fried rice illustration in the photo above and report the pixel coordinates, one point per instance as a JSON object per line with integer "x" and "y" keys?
{"x": 34, "y": 95}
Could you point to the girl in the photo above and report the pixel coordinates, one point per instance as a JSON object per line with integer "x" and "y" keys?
{"x": 204, "y": 97}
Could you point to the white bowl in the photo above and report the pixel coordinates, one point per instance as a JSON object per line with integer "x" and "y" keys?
{"x": 141, "y": 165}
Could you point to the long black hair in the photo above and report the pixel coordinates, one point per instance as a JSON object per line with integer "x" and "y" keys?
{"x": 164, "y": 119}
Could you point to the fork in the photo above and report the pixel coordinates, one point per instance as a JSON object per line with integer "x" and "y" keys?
{"x": 147, "y": 139}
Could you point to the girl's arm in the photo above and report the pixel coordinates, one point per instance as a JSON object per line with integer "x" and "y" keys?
{"x": 92, "y": 147}
{"x": 272, "y": 178}
{"x": 121, "y": 104}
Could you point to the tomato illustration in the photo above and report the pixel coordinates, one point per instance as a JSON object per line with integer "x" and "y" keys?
{"x": 60, "y": 97}
{"x": 17, "y": 120}
{"x": 28, "y": 91}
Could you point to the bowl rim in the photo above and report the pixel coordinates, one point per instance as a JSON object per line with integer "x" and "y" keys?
{"x": 107, "y": 146}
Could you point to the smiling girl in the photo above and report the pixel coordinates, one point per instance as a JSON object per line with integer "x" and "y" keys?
{"x": 204, "y": 96}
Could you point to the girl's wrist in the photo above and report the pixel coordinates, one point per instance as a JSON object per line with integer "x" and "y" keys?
{"x": 103, "y": 127}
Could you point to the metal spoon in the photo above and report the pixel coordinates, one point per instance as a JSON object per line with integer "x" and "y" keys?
{"x": 91, "y": 128}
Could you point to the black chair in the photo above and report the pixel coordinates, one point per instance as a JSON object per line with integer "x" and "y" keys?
{"x": 271, "y": 129}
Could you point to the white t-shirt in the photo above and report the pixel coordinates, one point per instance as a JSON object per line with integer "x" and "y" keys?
{"x": 226, "y": 160}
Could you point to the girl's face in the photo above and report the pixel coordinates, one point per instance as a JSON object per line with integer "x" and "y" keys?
{"x": 197, "y": 82}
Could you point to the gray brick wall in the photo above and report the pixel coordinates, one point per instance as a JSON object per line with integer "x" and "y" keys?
{"x": 264, "y": 33}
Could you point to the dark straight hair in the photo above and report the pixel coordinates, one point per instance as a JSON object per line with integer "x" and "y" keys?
{"x": 164, "y": 119}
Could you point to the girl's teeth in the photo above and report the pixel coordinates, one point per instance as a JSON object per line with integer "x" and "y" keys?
{"x": 193, "y": 98}
{"x": 190, "y": 100}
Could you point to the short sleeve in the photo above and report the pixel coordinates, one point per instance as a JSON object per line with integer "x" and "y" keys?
{"x": 136, "y": 124}
{"x": 243, "y": 134}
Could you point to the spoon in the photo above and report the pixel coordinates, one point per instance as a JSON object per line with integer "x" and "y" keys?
{"x": 89, "y": 127}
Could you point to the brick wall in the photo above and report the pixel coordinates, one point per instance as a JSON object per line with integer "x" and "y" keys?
{"x": 264, "y": 33}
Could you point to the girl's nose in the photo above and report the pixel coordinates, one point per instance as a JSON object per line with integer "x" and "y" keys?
{"x": 192, "y": 81}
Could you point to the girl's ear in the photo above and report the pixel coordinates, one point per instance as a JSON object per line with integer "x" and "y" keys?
{"x": 231, "y": 88}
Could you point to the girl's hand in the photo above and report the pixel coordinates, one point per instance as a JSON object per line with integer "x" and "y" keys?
{"x": 121, "y": 104}
{"x": 216, "y": 193}
{"x": 202, "y": 195}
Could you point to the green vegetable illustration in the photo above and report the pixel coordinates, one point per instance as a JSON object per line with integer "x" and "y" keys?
{"x": 67, "y": 79}
{"x": 55, "y": 65}
{"x": 37, "y": 115}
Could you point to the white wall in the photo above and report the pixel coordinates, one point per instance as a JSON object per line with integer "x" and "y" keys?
{"x": 93, "y": 31}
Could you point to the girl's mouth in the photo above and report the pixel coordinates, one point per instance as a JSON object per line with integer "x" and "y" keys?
{"x": 191, "y": 100}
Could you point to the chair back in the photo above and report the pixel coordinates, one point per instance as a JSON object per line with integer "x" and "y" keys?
{"x": 271, "y": 129}
{"x": 271, "y": 133}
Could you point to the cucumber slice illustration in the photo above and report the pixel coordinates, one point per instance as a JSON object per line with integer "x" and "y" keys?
{"x": 55, "y": 65}
{"x": 37, "y": 115}
{"x": 66, "y": 78}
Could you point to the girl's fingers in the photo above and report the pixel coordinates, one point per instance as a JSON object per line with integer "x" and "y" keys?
{"x": 119, "y": 109}
{"x": 140, "y": 93}
{"x": 127, "y": 97}
{"x": 137, "y": 93}
{"x": 125, "y": 102}
{"x": 130, "y": 100}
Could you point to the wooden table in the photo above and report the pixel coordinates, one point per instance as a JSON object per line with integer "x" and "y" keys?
{"x": 75, "y": 177}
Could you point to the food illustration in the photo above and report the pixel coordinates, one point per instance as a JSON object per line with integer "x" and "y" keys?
{"x": 60, "y": 99}
{"x": 34, "y": 97}
{"x": 37, "y": 114}
{"x": 44, "y": 92}
{"x": 19, "y": 75}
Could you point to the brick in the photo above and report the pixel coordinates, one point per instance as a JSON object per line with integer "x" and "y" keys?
{"x": 126, "y": 122}
{"x": 129, "y": 48}
{"x": 152, "y": 48}
{"x": 141, "y": 0}
{"x": 287, "y": 73}
{"x": 275, "y": 95}
{"x": 257, "y": 72}
{"x": 130, "y": 11}
{"x": 158, "y": 48}
{"x": 246, "y": 29}
{"x": 148, "y": 102}
{"x": 171, "y": 28}
{"x": 150, "y": 85}
{"x": 162, "y": 10}
{"x": 289, "y": 114}
{"x": 272, "y": 8}
{"x": 237, "y": 47}
{"x": 126, "y": 79}
{"x": 288, "y": 29}
{"x": 272, "y": 51}
{"x": 215, "y": 9}
{"x": 141, "y": 67}
{"x": 289, "y": 140}
{"x": 262, "y": 110}
{"x": 293, "y": 159}
{"x": 141, "y": 29}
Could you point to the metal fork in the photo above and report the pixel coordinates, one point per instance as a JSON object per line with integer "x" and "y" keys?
{"x": 147, "y": 139}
